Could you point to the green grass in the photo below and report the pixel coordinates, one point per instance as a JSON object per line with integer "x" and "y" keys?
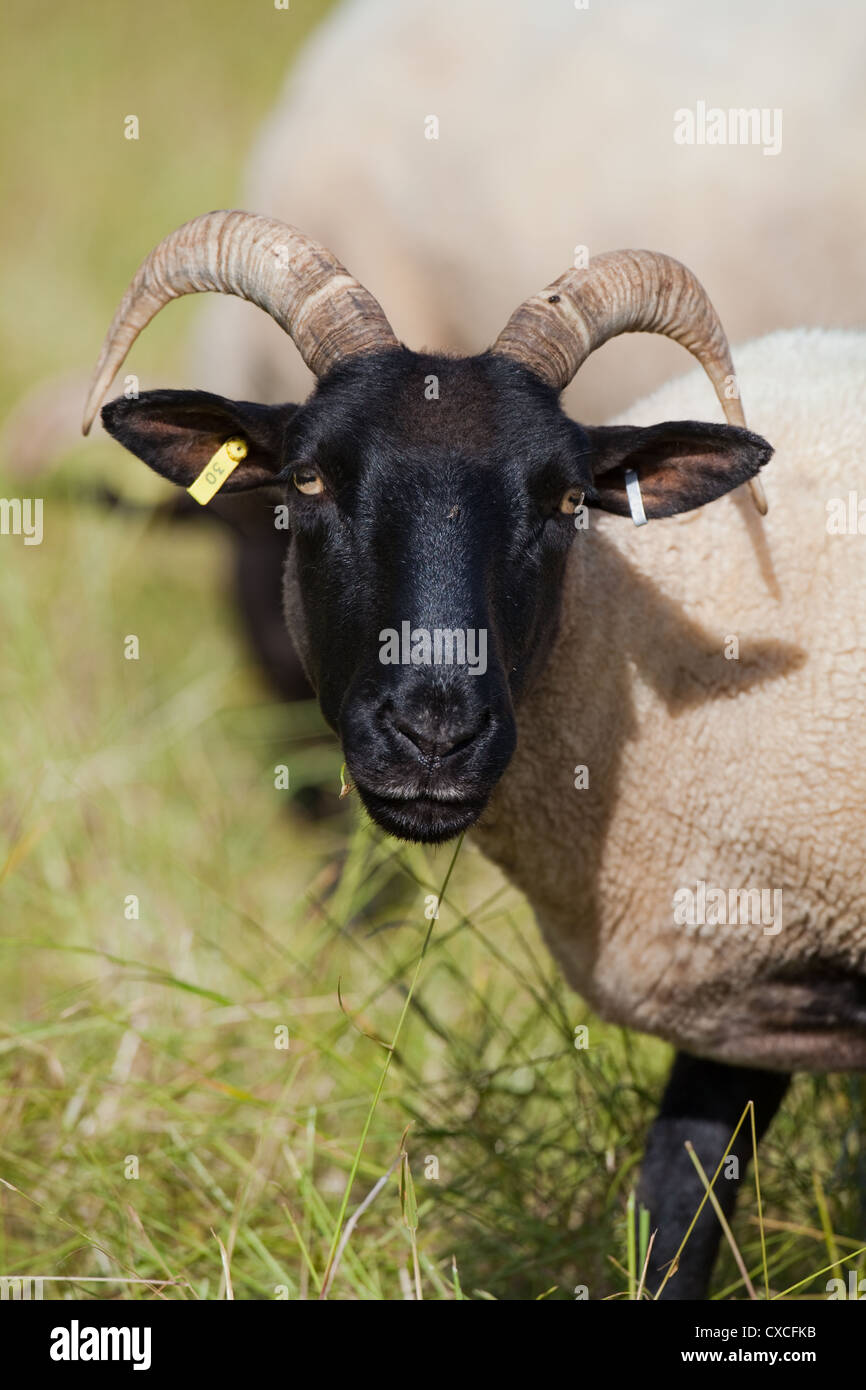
{"x": 154, "y": 1037}
{"x": 147, "y": 1044}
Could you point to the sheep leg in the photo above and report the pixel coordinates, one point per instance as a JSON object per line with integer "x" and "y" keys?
{"x": 703, "y": 1102}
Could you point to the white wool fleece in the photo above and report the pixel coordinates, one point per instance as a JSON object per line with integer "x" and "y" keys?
{"x": 709, "y": 674}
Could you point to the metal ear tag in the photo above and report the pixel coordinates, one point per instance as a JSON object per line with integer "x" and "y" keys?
{"x": 635, "y": 501}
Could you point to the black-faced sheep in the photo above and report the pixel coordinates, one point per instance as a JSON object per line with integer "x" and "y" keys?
{"x": 702, "y": 878}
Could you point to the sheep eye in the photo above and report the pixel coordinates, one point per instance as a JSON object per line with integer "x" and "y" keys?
{"x": 308, "y": 482}
{"x": 571, "y": 501}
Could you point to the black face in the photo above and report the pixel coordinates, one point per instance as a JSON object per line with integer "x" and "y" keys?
{"x": 421, "y": 583}
{"x": 431, "y": 508}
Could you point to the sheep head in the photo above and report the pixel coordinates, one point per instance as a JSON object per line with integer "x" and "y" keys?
{"x": 430, "y": 501}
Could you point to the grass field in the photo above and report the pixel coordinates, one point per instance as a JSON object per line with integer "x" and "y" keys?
{"x": 169, "y": 918}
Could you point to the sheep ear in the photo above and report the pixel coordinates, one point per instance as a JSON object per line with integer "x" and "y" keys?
{"x": 177, "y": 432}
{"x": 679, "y": 465}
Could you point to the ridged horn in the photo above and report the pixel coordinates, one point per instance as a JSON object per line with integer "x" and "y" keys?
{"x": 303, "y": 286}
{"x": 554, "y": 332}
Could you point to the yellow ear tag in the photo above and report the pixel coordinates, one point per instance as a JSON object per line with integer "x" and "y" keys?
{"x": 217, "y": 470}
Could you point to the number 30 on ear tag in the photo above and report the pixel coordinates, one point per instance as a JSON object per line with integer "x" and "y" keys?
{"x": 217, "y": 470}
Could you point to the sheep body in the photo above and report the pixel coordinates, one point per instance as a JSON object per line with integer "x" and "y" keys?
{"x": 742, "y": 773}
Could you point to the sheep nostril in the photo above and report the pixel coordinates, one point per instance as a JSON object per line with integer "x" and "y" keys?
{"x": 436, "y": 738}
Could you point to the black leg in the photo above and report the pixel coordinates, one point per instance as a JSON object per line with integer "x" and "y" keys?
{"x": 703, "y": 1102}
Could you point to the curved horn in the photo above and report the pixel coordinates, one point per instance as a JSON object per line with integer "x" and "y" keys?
{"x": 554, "y": 332}
{"x": 294, "y": 279}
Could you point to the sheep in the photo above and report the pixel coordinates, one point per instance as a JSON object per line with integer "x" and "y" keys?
{"x": 668, "y": 668}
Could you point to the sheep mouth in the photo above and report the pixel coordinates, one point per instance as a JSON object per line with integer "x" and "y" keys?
{"x": 423, "y": 819}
